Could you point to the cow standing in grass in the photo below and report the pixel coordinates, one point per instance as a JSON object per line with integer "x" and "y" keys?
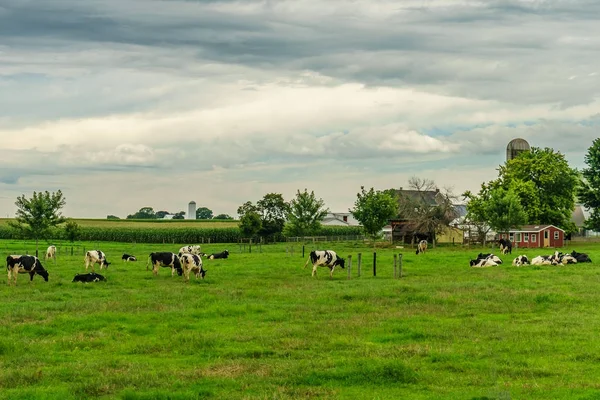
{"x": 164, "y": 259}
{"x": 192, "y": 263}
{"x": 17, "y": 264}
{"x": 94, "y": 257}
{"x": 50, "y": 253}
{"x": 422, "y": 246}
{"x": 505, "y": 246}
{"x": 324, "y": 258}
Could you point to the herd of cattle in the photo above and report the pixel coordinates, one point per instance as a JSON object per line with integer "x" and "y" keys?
{"x": 188, "y": 260}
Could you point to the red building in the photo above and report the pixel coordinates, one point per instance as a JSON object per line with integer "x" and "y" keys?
{"x": 536, "y": 236}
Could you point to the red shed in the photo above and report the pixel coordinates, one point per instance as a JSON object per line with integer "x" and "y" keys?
{"x": 536, "y": 236}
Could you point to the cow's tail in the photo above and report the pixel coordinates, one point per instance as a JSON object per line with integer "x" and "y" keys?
{"x": 307, "y": 260}
{"x": 148, "y": 262}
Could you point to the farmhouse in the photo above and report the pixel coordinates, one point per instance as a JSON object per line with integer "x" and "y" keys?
{"x": 533, "y": 236}
{"x": 339, "y": 219}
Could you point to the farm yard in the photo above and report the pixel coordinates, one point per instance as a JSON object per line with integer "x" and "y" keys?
{"x": 259, "y": 326}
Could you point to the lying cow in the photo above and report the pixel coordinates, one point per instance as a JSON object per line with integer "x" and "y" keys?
{"x": 94, "y": 257}
{"x": 50, "y": 253}
{"x": 165, "y": 259}
{"x": 189, "y": 250}
{"x": 422, "y": 246}
{"x": 17, "y": 264}
{"x": 214, "y": 256}
{"x": 90, "y": 277}
{"x": 505, "y": 246}
{"x": 568, "y": 259}
{"x": 580, "y": 257}
{"x": 324, "y": 258}
{"x": 192, "y": 263}
{"x": 127, "y": 257}
{"x": 519, "y": 261}
{"x": 490, "y": 256}
{"x": 544, "y": 260}
{"x": 483, "y": 262}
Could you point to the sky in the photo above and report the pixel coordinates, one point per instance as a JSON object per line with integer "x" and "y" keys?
{"x": 123, "y": 104}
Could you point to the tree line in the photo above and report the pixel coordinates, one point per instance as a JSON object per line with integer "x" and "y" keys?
{"x": 149, "y": 213}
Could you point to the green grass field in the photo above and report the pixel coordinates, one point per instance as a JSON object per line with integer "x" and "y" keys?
{"x": 260, "y": 327}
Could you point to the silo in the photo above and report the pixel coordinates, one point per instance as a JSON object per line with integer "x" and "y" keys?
{"x": 191, "y": 210}
{"x": 515, "y": 147}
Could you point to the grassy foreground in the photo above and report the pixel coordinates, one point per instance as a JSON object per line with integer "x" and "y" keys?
{"x": 259, "y": 327}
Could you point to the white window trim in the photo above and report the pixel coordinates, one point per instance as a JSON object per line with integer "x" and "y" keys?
{"x": 533, "y": 238}
{"x": 526, "y": 237}
{"x": 556, "y": 235}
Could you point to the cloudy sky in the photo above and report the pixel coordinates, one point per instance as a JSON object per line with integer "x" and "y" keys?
{"x": 129, "y": 103}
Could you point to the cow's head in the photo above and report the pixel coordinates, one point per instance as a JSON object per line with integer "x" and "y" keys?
{"x": 473, "y": 262}
{"x": 341, "y": 262}
{"x": 43, "y": 273}
{"x": 105, "y": 263}
{"x": 202, "y": 273}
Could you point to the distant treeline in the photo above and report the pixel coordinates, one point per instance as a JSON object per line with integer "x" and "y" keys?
{"x": 169, "y": 234}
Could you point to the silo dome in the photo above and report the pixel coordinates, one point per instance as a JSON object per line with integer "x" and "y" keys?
{"x": 515, "y": 147}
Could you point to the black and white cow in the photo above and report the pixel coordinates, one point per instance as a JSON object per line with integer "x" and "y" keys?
{"x": 90, "y": 277}
{"x": 190, "y": 250}
{"x": 18, "y": 264}
{"x": 489, "y": 256}
{"x": 50, "y": 253}
{"x": 483, "y": 262}
{"x": 94, "y": 257}
{"x": 192, "y": 263}
{"x": 128, "y": 257}
{"x": 324, "y": 258}
{"x": 581, "y": 257}
{"x": 165, "y": 259}
{"x": 422, "y": 246}
{"x": 521, "y": 260}
{"x": 545, "y": 260}
{"x": 214, "y": 256}
{"x": 505, "y": 246}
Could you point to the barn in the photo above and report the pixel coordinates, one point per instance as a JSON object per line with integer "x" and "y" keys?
{"x": 536, "y": 236}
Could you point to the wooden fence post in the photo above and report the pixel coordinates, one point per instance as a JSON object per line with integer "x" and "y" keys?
{"x": 395, "y": 266}
{"x": 374, "y": 263}
{"x": 349, "y": 266}
{"x": 359, "y": 262}
{"x": 400, "y": 265}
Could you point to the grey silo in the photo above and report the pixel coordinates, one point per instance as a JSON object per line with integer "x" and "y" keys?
{"x": 516, "y": 147}
{"x": 191, "y": 210}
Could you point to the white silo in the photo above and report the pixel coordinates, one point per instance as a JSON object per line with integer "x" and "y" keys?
{"x": 191, "y": 210}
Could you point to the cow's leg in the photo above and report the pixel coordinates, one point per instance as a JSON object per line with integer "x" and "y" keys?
{"x": 155, "y": 269}
{"x": 331, "y": 272}
{"x": 172, "y": 271}
{"x": 9, "y": 276}
{"x": 314, "y": 271}
{"x": 31, "y": 274}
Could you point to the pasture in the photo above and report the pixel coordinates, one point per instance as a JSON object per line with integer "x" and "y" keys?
{"x": 259, "y": 327}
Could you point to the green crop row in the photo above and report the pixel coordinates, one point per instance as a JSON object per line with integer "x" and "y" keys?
{"x": 168, "y": 235}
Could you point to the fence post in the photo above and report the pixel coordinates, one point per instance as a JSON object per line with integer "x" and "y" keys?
{"x": 349, "y": 266}
{"x": 374, "y": 263}
{"x": 303, "y": 252}
{"x": 359, "y": 262}
{"x": 395, "y": 266}
{"x": 400, "y": 264}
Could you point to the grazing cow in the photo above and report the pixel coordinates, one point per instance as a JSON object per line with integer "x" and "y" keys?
{"x": 127, "y": 257}
{"x": 50, "y": 253}
{"x": 581, "y": 257}
{"x": 94, "y": 257}
{"x": 165, "y": 259}
{"x": 505, "y": 246}
{"x": 422, "y": 246}
{"x": 190, "y": 250}
{"x": 17, "y": 264}
{"x": 223, "y": 254}
{"x": 90, "y": 277}
{"x": 520, "y": 261}
{"x": 483, "y": 262}
{"x": 324, "y": 258}
{"x": 544, "y": 260}
{"x": 192, "y": 263}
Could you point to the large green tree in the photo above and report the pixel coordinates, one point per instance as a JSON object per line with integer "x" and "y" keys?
{"x": 545, "y": 185}
{"x": 504, "y": 210}
{"x": 373, "y": 209}
{"x": 143, "y": 213}
{"x": 250, "y": 224}
{"x": 204, "y": 213}
{"x": 305, "y": 214}
{"x": 223, "y": 216}
{"x": 36, "y": 215}
{"x": 72, "y": 230}
{"x": 589, "y": 192}
{"x": 273, "y": 209}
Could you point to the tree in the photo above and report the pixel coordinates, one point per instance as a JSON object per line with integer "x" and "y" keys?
{"x": 223, "y": 216}
{"x": 305, "y": 214}
{"x": 204, "y": 213}
{"x": 35, "y": 216}
{"x": 250, "y": 224}
{"x": 429, "y": 210}
{"x": 545, "y": 185}
{"x": 374, "y": 209}
{"x": 143, "y": 213}
{"x": 504, "y": 210}
{"x": 477, "y": 212}
{"x": 272, "y": 209}
{"x": 179, "y": 215}
{"x": 71, "y": 230}
{"x": 161, "y": 214}
{"x": 246, "y": 208}
{"x": 112, "y": 217}
{"x": 589, "y": 192}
